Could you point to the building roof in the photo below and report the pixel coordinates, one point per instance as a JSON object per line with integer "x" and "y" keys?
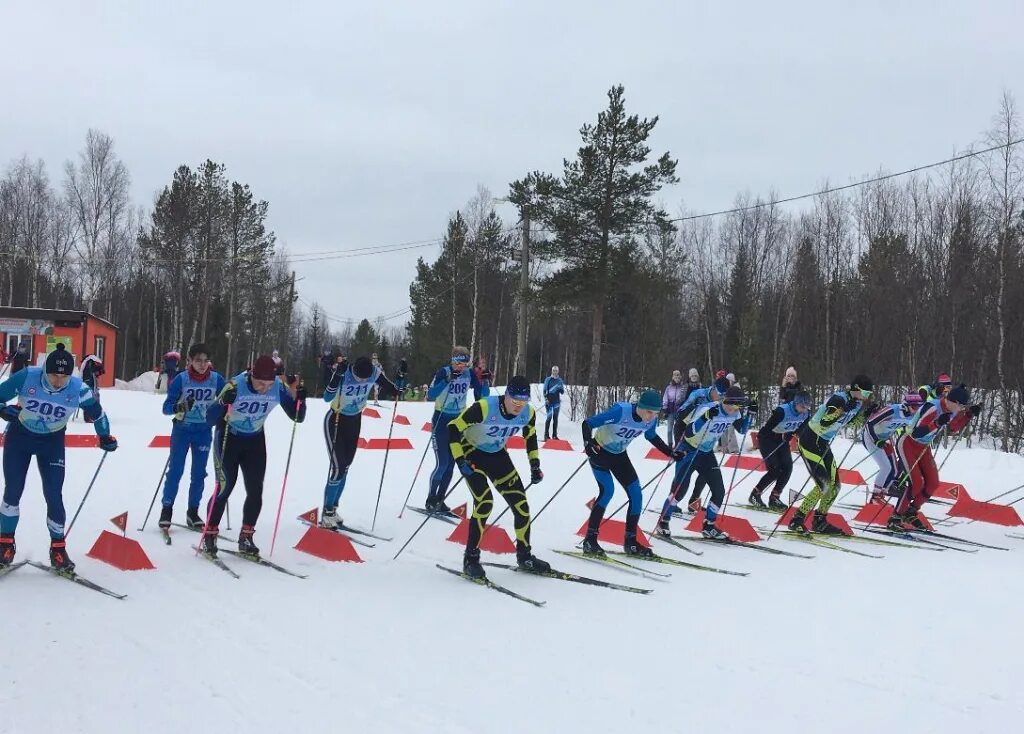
{"x": 50, "y": 314}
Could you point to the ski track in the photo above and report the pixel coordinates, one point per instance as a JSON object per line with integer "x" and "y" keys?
{"x": 917, "y": 642}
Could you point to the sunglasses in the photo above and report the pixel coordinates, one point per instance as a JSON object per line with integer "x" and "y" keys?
{"x": 518, "y": 401}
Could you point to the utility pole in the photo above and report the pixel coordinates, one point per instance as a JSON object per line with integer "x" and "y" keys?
{"x": 524, "y": 292}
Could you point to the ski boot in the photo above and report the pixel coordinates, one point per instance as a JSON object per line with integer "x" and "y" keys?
{"x": 590, "y": 545}
{"x": 208, "y": 544}
{"x": 633, "y": 548}
{"x": 877, "y": 498}
{"x": 245, "y": 544}
{"x": 694, "y": 505}
{"x": 59, "y": 557}
{"x": 662, "y": 528}
{"x": 775, "y": 504}
{"x": 329, "y": 519}
{"x": 529, "y": 562}
{"x": 7, "y": 550}
{"x": 471, "y": 564}
{"x": 193, "y": 520}
{"x": 797, "y": 523}
{"x": 895, "y": 523}
{"x": 710, "y": 530}
{"x": 822, "y": 526}
{"x": 913, "y": 518}
{"x": 756, "y": 501}
{"x": 437, "y": 507}
{"x": 165, "y": 517}
{"x": 547, "y": 437}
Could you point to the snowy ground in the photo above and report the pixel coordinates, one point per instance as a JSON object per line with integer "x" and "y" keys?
{"x": 917, "y": 642}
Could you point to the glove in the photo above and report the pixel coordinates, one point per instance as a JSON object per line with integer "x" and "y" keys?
{"x": 108, "y": 443}
{"x": 184, "y": 405}
{"x": 975, "y": 410}
{"x": 943, "y": 419}
{"x": 10, "y": 412}
{"x": 678, "y": 454}
{"x": 465, "y": 467}
{"x": 229, "y": 394}
{"x": 536, "y": 475}
{"x": 592, "y": 448}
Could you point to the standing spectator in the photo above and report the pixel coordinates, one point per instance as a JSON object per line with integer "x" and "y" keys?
{"x": 693, "y": 383}
{"x": 423, "y": 392}
{"x": 729, "y": 444}
{"x": 671, "y": 399}
{"x": 376, "y": 388}
{"x": 790, "y": 386}
{"x": 92, "y": 368}
{"x": 482, "y": 373}
{"x": 170, "y": 368}
{"x": 401, "y": 373}
{"x": 553, "y": 389}
{"x": 21, "y": 357}
{"x": 278, "y": 363}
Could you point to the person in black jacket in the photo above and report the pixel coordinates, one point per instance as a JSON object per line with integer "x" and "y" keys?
{"x": 773, "y": 443}
{"x": 790, "y": 386}
{"x": 21, "y": 358}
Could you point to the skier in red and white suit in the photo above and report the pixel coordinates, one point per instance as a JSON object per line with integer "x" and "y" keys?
{"x": 951, "y": 412}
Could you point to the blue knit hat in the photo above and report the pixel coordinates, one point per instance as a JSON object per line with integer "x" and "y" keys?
{"x": 959, "y": 394}
{"x": 649, "y": 400}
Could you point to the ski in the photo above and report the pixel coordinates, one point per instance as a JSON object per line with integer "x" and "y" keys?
{"x": 616, "y": 563}
{"x": 674, "y": 540}
{"x": 890, "y": 543}
{"x": 367, "y": 533}
{"x": 262, "y": 562}
{"x": 1015, "y": 536}
{"x": 444, "y": 517}
{"x": 818, "y": 540}
{"x": 216, "y": 562}
{"x": 955, "y": 539}
{"x": 566, "y": 576}
{"x": 675, "y": 562}
{"x": 74, "y": 577}
{"x": 755, "y": 508}
{"x": 11, "y": 568}
{"x": 165, "y": 533}
{"x": 676, "y": 513}
{"x": 491, "y": 585}
{"x": 917, "y": 539}
{"x": 752, "y": 546}
{"x": 339, "y": 530}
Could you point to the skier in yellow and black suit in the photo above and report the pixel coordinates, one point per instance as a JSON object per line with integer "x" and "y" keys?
{"x": 477, "y": 438}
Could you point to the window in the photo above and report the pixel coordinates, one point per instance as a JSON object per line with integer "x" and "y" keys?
{"x": 13, "y": 340}
{"x": 100, "y": 347}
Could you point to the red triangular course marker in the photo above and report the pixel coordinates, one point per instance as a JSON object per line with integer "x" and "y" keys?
{"x": 875, "y": 514}
{"x": 494, "y": 539}
{"x": 735, "y": 527}
{"x": 401, "y": 420}
{"x": 834, "y": 519}
{"x": 383, "y": 443}
{"x": 558, "y": 444}
{"x": 613, "y": 532}
{"x": 460, "y": 511}
{"x": 160, "y": 442}
{"x": 655, "y": 454}
{"x": 120, "y": 552}
{"x": 950, "y": 491}
{"x": 371, "y": 413}
{"x": 985, "y": 512}
{"x": 428, "y": 427}
{"x": 744, "y": 462}
{"x": 310, "y": 517}
{"x": 328, "y": 545}
{"x": 121, "y": 522}
{"x": 516, "y": 442}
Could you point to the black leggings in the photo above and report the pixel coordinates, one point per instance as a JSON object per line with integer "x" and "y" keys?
{"x": 245, "y": 452}
{"x": 496, "y": 468}
{"x": 778, "y": 460}
{"x": 705, "y": 465}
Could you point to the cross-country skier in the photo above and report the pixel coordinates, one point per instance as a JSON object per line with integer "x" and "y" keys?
{"x": 696, "y": 453}
{"x": 773, "y": 443}
{"x": 878, "y": 436}
{"x": 694, "y": 399}
{"x": 951, "y": 412}
{"x": 477, "y": 439}
{"x": 242, "y": 444}
{"x": 347, "y": 392}
{"x": 47, "y": 398}
{"x": 553, "y": 388}
{"x": 815, "y": 441}
{"x": 606, "y": 436}
{"x": 189, "y": 397}
{"x": 448, "y": 390}
{"x": 938, "y": 389}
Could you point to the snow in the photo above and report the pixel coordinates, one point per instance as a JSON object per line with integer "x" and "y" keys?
{"x": 917, "y": 642}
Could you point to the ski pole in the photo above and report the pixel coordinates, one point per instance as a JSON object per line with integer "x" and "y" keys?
{"x": 417, "y": 530}
{"x": 284, "y": 482}
{"x": 555, "y": 494}
{"x": 1003, "y": 494}
{"x": 156, "y": 491}
{"x": 732, "y": 479}
{"x": 907, "y": 480}
{"x": 671, "y": 490}
{"x": 415, "y": 477}
{"x": 764, "y": 460}
{"x": 799, "y": 494}
{"x": 218, "y": 470}
{"x": 387, "y": 450}
{"x": 86, "y": 495}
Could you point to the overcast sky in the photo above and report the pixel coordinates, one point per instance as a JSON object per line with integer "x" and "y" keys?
{"x": 369, "y": 123}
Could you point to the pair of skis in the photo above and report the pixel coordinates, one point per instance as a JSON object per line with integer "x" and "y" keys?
{"x": 68, "y": 575}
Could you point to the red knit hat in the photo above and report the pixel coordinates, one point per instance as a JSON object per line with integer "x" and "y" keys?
{"x": 264, "y": 368}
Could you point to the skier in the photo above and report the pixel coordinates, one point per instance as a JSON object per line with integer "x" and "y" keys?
{"x": 477, "y": 438}
{"x": 242, "y": 443}
{"x": 553, "y": 388}
{"x": 702, "y": 429}
{"x": 881, "y": 429}
{"x": 278, "y": 363}
{"x": 346, "y": 393}
{"x": 448, "y": 391}
{"x": 400, "y": 377}
{"x": 938, "y": 389}
{"x": 815, "y": 441}
{"x": 951, "y": 412}
{"x": 694, "y": 399}
{"x": 47, "y": 397}
{"x": 671, "y": 399}
{"x": 773, "y": 443}
{"x": 92, "y": 369}
{"x": 189, "y": 397}
{"x": 606, "y": 437}
{"x": 21, "y": 357}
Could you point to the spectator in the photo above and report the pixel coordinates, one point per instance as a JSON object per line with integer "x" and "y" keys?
{"x": 671, "y": 399}
{"x": 790, "y": 386}
{"x": 692, "y": 384}
{"x": 401, "y": 374}
{"x": 170, "y": 369}
{"x": 553, "y": 389}
{"x": 483, "y": 375}
{"x": 21, "y": 357}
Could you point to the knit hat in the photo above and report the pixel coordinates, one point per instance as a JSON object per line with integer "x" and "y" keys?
{"x": 913, "y": 399}
{"x": 518, "y": 388}
{"x": 694, "y": 375}
{"x": 362, "y": 368}
{"x": 862, "y": 382}
{"x": 649, "y": 400}
{"x": 263, "y": 368}
{"x": 735, "y": 396}
{"x": 60, "y": 362}
{"x": 721, "y": 385}
{"x": 943, "y": 379}
{"x": 801, "y": 397}
{"x": 960, "y": 394}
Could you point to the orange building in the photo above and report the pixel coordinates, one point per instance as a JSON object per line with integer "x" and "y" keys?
{"x": 80, "y": 332}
